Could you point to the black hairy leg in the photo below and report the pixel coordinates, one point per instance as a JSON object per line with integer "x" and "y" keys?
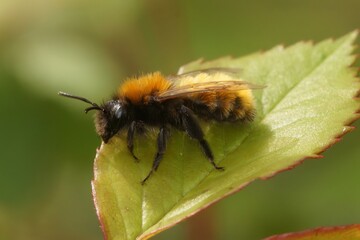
{"x": 130, "y": 138}
{"x": 193, "y": 129}
{"x": 161, "y": 147}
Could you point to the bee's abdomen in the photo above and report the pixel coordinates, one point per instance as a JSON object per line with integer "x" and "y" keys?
{"x": 223, "y": 106}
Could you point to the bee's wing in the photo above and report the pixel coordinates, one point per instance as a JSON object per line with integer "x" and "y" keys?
{"x": 211, "y": 86}
{"x": 210, "y": 71}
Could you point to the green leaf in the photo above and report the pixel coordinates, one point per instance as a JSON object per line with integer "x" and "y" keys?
{"x": 306, "y": 106}
{"x": 350, "y": 232}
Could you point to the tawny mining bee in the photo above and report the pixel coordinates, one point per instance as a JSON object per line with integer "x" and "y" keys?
{"x": 154, "y": 100}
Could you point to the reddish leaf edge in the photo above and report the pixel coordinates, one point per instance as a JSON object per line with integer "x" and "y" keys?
{"x": 316, "y": 232}
{"x": 317, "y": 155}
{"x": 98, "y": 213}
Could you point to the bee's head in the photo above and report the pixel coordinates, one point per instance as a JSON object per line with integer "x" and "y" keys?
{"x": 110, "y": 118}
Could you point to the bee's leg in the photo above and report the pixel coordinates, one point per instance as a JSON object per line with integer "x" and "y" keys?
{"x": 161, "y": 145}
{"x": 194, "y": 130}
{"x": 130, "y": 139}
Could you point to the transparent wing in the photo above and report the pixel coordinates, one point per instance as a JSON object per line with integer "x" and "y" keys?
{"x": 234, "y": 72}
{"x": 210, "y": 86}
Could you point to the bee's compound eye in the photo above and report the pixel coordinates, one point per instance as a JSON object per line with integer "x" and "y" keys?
{"x": 118, "y": 111}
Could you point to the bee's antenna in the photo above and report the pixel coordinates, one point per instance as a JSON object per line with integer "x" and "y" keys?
{"x": 94, "y": 105}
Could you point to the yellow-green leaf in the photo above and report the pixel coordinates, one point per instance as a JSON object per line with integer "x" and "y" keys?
{"x": 307, "y": 104}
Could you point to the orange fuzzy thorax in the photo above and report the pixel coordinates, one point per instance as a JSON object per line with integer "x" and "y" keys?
{"x": 138, "y": 90}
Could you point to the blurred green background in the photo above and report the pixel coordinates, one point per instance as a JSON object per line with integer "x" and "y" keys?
{"x": 87, "y": 47}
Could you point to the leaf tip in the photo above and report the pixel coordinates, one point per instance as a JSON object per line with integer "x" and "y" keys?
{"x": 352, "y": 35}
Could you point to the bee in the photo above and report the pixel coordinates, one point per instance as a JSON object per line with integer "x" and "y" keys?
{"x": 154, "y": 100}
